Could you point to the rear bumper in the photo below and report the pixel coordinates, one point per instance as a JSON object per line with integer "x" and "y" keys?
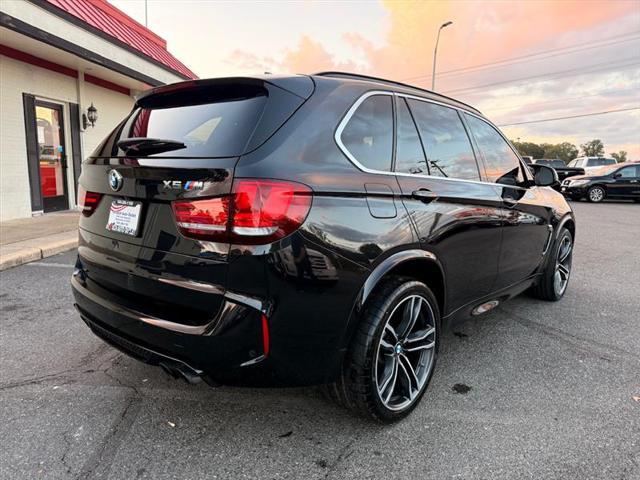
{"x": 231, "y": 350}
{"x": 141, "y": 353}
{"x": 232, "y": 353}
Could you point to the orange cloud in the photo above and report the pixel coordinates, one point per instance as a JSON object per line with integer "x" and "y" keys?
{"x": 482, "y": 31}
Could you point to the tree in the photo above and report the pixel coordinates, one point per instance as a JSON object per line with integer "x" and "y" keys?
{"x": 564, "y": 151}
{"x": 620, "y": 157}
{"x": 594, "y": 148}
{"x": 529, "y": 149}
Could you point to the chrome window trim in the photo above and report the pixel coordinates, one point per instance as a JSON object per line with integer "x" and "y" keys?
{"x": 345, "y": 120}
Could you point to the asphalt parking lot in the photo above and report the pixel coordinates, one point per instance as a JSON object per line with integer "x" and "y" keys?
{"x": 551, "y": 392}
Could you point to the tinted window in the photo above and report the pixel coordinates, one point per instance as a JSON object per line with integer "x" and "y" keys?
{"x": 220, "y": 129}
{"x": 628, "y": 172}
{"x": 445, "y": 141}
{"x": 598, "y": 162}
{"x": 502, "y": 164}
{"x": 369, "y": 133}
{"x": 409, "y": 154}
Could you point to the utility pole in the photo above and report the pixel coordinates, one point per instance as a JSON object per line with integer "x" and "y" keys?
{"x": 146, "y": 23}
{"x": 435, "y": 53}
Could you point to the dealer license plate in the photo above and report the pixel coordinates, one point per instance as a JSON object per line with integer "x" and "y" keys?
{"x": 124, "y": 217}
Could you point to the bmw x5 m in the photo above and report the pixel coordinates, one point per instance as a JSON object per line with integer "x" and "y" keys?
{"x": 299, "y": 230}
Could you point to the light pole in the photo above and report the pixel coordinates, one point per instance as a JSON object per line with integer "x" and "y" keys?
{"x": 435, "y": 52}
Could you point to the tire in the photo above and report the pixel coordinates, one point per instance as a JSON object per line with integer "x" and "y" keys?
{"x": 558, "y": 264}
{"x": 596, "y": 194}
{"x": 376, "y": 380}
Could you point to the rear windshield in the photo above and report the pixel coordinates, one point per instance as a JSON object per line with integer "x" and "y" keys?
{"x": 597, "y": 162}
{"x": 220, "y": 129}
{"x": 218, "y": 118}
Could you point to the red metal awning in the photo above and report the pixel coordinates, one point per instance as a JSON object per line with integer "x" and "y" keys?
{"x": 103, "y": 16}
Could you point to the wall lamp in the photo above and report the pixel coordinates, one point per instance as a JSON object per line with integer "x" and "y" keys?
{"x": 90, "y": 118}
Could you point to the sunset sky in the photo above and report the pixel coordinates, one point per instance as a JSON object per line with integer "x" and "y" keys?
{"x": 517, "y": 61}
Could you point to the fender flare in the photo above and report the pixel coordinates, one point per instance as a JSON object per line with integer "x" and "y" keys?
{"x": 374, "y": 278}
{"x": 390, "y": 263}
{"x": 556, "y": 233}
{"x": 562, "y": 221}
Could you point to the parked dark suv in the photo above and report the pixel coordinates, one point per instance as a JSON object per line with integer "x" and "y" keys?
{"x": 619, "y": 181}
{"x": 301, "y": 230}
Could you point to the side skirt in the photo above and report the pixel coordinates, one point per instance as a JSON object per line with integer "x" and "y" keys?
{"x": 465, "y": 312}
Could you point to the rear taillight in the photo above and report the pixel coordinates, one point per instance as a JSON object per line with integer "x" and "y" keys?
{"x": 256, "y": 212}
{"x": 204, "y": 219}
{"x": 88, "y": 201}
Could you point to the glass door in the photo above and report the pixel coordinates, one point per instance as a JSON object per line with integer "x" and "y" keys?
{"x": 52, "y": 156}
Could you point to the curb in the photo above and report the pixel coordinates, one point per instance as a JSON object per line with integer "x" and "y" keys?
{"x": 19, "y": 253}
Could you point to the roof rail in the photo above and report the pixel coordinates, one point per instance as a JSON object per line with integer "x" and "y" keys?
{"x": 358, "y": 76}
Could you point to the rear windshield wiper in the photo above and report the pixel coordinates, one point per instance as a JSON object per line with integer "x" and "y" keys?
{"x": 148, "y": 146}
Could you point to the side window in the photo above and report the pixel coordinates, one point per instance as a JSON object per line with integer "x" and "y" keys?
{"x": 368, "y": 135}
{"x": 628, "y": 172}
{"x": 409, "y": 154}
{"x": 502, "y": 164}
{"x": 446, "y": 144}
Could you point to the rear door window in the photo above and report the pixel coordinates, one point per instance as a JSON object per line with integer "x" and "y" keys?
{"x": 409, "y": 153}
{"x": 368, "y": 135}
{"x": 446, "y": 144}
{"x": 501, "y": 162}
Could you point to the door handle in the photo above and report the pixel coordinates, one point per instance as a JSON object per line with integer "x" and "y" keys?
{"x": 633, "y": 181}
{"x": 424, "y": 195}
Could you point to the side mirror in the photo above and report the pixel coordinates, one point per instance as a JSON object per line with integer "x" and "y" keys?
{"x": 617, "y": 175}
{"x": 544, "y": 176}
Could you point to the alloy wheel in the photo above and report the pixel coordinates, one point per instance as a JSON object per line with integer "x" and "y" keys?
{"x": 596, "y": 194}
{"x": 563, "y": 265}
{"x": 406, "y": 353}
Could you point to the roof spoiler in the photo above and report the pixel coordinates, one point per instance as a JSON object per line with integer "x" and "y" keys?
{"x": 299, "y": 85}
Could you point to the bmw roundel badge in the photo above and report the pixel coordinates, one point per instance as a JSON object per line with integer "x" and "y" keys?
{"x": 115, "y": 180}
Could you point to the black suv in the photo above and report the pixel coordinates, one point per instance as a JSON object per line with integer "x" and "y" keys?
{"x": 301, "y": 230}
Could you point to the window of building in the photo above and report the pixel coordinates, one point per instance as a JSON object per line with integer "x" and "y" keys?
{"x": 446, "y": 144}
{"x": 368, "y": 135}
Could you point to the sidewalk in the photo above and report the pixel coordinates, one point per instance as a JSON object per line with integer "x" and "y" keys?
{"x": 28, "y": 239}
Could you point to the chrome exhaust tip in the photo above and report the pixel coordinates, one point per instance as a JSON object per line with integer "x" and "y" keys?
{"x": 177, "y": 370}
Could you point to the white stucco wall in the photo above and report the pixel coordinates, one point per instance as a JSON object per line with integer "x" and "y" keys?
{"x": 39, "y": 17}
{"x": 17, "y": 78}
{"x": 112, "y": 108}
